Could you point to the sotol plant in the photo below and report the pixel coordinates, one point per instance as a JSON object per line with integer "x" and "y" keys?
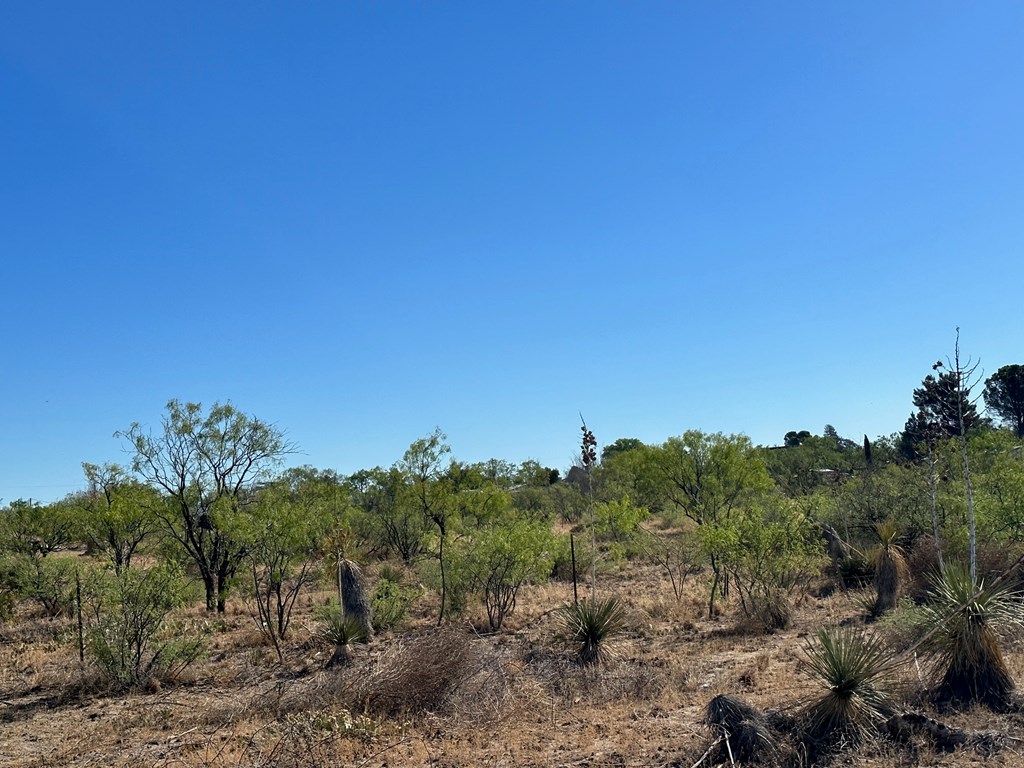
{"x": 890, "y": 568}
{"x": 856, "y": 672}
{"x": 590, "y": 627}
{"x": 965, "y": 619}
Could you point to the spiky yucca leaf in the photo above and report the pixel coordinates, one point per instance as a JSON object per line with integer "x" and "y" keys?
{"x": 856, "y": 672}
{"x": 591, "y": 626}
{"x": 965, "y": 618}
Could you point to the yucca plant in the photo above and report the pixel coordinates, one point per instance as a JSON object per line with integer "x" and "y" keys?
{"x": 964, "y": 620}
{"x": 591, "y": 626}
{"x": 890, "y": 566}
{"x": 341, "y": 630}
{"x": 856, "y": 672}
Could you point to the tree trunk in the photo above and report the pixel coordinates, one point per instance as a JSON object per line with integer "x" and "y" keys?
{"x": 211, "y": 590}
{"x": 444, "y": 581}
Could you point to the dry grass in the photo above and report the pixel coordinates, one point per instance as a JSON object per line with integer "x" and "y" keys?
{"x": 440, "y": 698}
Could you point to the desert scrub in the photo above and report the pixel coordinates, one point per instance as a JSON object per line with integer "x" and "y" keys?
{"x": 496, "y": 562}
{"x": 132, "y": 641}
{"x": 591, "y": 627}
{"x": 391, "y": 600}
{"x": 903, "y": 626}
{"x": 963, "y": 621}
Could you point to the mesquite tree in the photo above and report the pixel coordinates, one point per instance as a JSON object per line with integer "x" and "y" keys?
{"x": 209, "y": 466}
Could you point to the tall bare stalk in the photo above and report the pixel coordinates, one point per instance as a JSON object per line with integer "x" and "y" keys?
{"x": 588, "y": 458}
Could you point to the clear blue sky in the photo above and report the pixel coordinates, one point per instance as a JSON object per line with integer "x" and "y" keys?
{"x": 364, "y": 220}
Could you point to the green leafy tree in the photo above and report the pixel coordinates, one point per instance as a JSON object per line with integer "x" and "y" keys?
{"x": 291, "y": 517}
{"x": 209, "y": 466}
{"x": 897, "y": 492}
{"x": 708, "y": 478}
{"x": 622, "y": 445}
{"x": 394, "y": 524}
{"x": 36, "y": 530}
{"x": 116, "y": 513}
{"x": 943, "y": 398}
{"x": 531, "y": 474}
{"x": 998, "y": 469}
{"x": 631, "y": 473}
{"x": 618, "y": 526}
{"x": 430, "y": 494}
{"x": 794, "y": 438}
{"x": 1004, "y": 396}
{"x": 496, "y": 561}
{"x": 811, "y": 462}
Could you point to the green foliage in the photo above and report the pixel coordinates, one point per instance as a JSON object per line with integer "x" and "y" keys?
{"x": 288, "y": 520}
{"x": 856, "y": 672}
{"x": 890, "y": 566}
{"x": 209, "y": 466}
{"x": 946, "y": 398}
{"x": 809, "y": 462}
{"x": 618, "y": 520}
{"x": 770, "y": 549}
{"x": 117, "y": 513}
{"x": 590, "y": 628}
{"x": 903, "y": 626}
{"x": 341, "y": 630}
{"x": 338, "y": 628}
{"x": 568, "y": 502}
{"x": 498, "y": 560}
{"x": 997, "y": 470}
{"x": 34, "y": 529}
{"x": 622, "y": 445}
{"x": 10, "y": 586}
{"x": 1004, "y": 396}
{"x": 707, "y": 479}
{"x": 393, "y": 525}
{"x": 964, "y": 620}
{"x": 47, "y": 580}
{"x": 132, "y": 641}
{"x": 390, "y": 601}
{"x": 894, "y": 492}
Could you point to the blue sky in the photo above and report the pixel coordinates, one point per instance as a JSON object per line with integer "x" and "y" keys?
{"x": 364, "y": 220}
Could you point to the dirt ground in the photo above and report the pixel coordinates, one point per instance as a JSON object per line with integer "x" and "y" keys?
{"x": 516, "y": 700}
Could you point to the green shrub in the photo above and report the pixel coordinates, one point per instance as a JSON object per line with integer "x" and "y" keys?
{"x": 391, "y": 601}
{"x": 498, "y": 560}
{"x": 10, "y": 587}
{"x": 617, "y": 530}
{"x": 132, "y": 641}
{"x": 903, "y": 626}
{"x": 50, "y": 581}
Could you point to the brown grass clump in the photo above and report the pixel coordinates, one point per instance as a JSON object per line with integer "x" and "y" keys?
{"x": 418, "y": 675}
